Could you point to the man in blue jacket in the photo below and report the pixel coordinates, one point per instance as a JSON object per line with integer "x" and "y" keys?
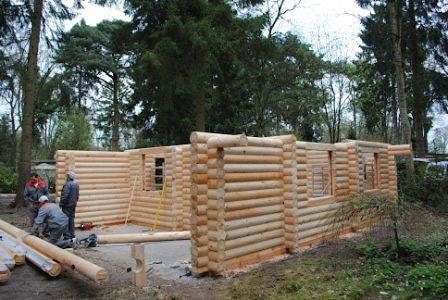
{"x": 69, "y": 199}
{"x": 51, "y": 217}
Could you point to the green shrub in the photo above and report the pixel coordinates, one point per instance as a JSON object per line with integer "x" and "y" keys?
{"x": 429, "y": 280}
{"x": 368, "y": 250}
{"x": 430, "y": 185}
{"x": 8, "y": 180}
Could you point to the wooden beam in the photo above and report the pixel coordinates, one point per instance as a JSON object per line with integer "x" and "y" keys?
{"x": 121, "y": 238}
{"x": 41, "y": 261}
{"x": 62, "y": 256}
{"x": 139, "y": 272}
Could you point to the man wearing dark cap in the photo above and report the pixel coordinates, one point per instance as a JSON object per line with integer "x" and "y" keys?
{"x": 69, "y": 199}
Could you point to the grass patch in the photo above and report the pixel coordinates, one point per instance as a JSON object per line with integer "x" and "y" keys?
{"x": 375, "y": 272}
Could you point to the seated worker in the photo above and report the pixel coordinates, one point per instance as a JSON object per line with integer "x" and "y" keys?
{"x": 56, "y": 222}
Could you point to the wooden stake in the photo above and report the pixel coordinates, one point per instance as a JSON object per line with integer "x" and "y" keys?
{"x": 139, "y": 272}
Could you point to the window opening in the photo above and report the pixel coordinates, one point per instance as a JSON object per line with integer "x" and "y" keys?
{"x": 159, "y": 173}
{"x": 322, "y": 177}
{"x": 370, "y": 170}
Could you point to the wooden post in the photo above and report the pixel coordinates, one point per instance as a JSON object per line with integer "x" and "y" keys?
{"x": 139, "y": 272}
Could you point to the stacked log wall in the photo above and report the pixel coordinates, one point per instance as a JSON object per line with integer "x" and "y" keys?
{"x": 103, "y": 179}
{"x": 156, "y": 208}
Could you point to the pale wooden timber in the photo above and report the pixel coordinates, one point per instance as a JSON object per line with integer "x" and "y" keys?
{"x": 16, "y": 253}
{"x": 5, "y": 273}
{"x": 139, "y": 271}
{"x": 41, "y": 261}
{"x": 142, "y": 237}
{"x": 64, "y": 257}
{"x": 6, "y": 258}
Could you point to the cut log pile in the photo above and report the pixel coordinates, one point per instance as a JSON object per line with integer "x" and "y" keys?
{"x": 244, "y": 199}
{"x": 16, "y": 244}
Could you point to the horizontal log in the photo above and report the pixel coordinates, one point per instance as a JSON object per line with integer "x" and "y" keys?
{"x": 246, "y": 195}
{"x": 240, "y": 251}
{"x": 16, "y": 253}
{"x": 84, "y": 153}
{"x": 250, "y": 168}
{"x": 88, "y": 208}
{"x": 264, "y": 142}
{"x": 252, "y": 212}
{"x": 247, "y": 240}
{"x": 88, "y": 175}
{"x": 86, "y": 268}
{"x": 253, "y": 159}
{"x": 253, "y": 185}
{"x": 202, "y": 137}
{"x": 234, "y": 224}
{"x": 85, "y": 202}
{"x": 142, "y": 237}
{"x": 102, "y": 212}
{"x": 150, "y": 223}
{"x": 253, "y": 258}
{"x": 239, "y": 177}
{"x": 251, "y": 150}
{"x": 40, "y": 260}
{"x": 227, "y": 141}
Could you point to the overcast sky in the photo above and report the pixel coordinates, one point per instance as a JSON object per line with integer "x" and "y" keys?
{"x": 321, "y": 23}
{"x": 315, "y": 21}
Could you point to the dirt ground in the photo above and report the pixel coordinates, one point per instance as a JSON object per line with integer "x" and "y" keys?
{"x": 167, "y": 265}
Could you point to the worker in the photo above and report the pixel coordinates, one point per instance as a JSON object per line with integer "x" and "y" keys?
{"x": 50, "y": 216}
{"x": 34, "y": 188}
{"x": 69, "y": 199}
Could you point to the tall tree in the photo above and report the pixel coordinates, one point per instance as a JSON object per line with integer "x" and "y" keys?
{"x": 55, "y": 11}
{"x": 99, "y": 55}
{"x": 30, "y": 94}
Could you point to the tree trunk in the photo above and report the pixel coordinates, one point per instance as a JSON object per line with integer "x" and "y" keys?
{"x": 29, "y": 102}
{"x": 115, "y": 143}
{"x": 418, "y": 81}
{"x": 396, "y": 131}
{"x": 400, "y": 90}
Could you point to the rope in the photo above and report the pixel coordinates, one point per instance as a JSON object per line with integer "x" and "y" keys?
{"x": 130, "y": 201}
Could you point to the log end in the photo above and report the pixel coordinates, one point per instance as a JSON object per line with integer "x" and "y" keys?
{"x": 102, "y": 276}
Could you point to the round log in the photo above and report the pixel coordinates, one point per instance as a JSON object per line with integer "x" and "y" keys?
{"x": 235, "y": 224}
{"x": 240, "y": 251}
{"x": 246, "y": 195}
{"x": 251, "y": 150}
{"x": 41, "y": 261}
{"x": 18, "y": 254}
{"x": 252, "y": 185}
{"x": 250, "y": 168}
{"x": 142, "y": 237}
{"x": 5, "y": 274}
{"x": 86, "y": 268}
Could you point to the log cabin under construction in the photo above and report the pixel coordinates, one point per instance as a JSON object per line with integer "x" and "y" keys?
{"x": 244, "y": 199}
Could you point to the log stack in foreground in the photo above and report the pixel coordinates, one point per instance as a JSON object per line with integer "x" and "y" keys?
{"x": 46, "y": 252}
